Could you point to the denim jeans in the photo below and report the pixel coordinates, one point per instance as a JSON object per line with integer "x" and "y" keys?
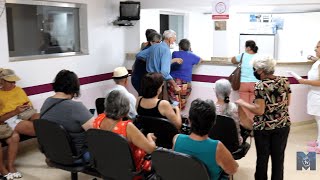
{"x": 270, "y": 143}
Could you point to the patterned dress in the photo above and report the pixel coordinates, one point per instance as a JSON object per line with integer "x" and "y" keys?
{"x": 275, "y": 93}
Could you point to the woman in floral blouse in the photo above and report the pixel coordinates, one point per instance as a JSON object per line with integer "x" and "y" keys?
{"x": 271, "y": 122}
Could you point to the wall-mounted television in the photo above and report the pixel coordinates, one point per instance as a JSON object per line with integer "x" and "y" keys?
{"x": 129, "y": 10}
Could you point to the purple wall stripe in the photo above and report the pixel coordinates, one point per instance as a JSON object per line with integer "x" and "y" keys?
{"x": 33, "y": 90}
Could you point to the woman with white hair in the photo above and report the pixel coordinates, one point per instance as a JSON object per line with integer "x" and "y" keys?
{"x": 271, "y": 122}
{"x": 226, "y": 108}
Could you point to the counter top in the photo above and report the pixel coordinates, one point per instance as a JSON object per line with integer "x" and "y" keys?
{"x": 227, "y": 61}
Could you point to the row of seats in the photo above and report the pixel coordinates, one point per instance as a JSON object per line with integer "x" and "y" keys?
{"x": 111, "y": 163}
{"x": 114, "y": 163}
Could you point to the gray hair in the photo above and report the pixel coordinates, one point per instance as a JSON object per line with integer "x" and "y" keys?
{"x": 169, "y": 34}
{"x": 116, "y": 105}
{"x": 266, "y": 64}
{"x": 223, "y": 91}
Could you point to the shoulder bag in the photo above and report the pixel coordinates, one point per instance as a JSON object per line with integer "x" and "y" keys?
{"x": 234, "y": 77}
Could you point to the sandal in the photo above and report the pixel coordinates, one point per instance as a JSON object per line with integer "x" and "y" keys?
{"x": 17, "y": 175}
{"x": 9, "y": 176}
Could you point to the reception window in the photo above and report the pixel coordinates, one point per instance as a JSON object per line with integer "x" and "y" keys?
{"x": 38, "y": 30}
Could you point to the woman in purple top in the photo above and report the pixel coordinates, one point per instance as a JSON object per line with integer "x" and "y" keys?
{"x": 182, "y": 73}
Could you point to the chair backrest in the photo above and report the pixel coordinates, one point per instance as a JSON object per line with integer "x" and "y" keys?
{"x": 111, "y": 154}
{"x": 225, "y": 130}
{"x": 162, "y": 128}
{"x": 170, "y": 165}
{"x": 54, "y": 142}
{"x": 100, "y": 105}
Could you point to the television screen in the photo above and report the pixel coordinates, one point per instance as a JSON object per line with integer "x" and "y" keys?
{"x": 129, "y": 10}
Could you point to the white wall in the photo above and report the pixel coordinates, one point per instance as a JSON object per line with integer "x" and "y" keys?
{"x": 107, "y": 47}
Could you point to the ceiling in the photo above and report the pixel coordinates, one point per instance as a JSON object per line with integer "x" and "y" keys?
{"x": 244, "y": 6}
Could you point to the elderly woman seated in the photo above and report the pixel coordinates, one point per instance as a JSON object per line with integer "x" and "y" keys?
{"x": 211, "y": 152}
{"x": 230, "y": 109}
{"x": 116, "y": 108}
{"x": 150, "y": 105}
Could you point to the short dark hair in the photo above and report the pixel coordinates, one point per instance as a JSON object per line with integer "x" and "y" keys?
{"x": 184, "y": 44}
{"x": 202, "y": 115}
{"x": 150, "y": 84}
{"x": 148, "y": 32}
{"x": 154, "y": 37}
{"x": 67, "y": 82}
{"x": 252, "y": 45}
{"x": 116, "y": 105}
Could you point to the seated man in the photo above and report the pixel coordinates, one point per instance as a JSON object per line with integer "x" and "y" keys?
{"x": 120, "y": 77}
{"x": 14, "y": 101}
{"x": 211, "y": 152}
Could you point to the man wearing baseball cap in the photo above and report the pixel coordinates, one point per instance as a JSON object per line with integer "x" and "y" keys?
{"x": 120, "y": 77}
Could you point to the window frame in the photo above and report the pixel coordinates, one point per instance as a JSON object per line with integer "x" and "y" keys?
{"x": 83, "y": 29}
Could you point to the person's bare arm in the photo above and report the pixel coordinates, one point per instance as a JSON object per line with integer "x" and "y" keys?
{"x": 88, "y": 124}
{"x": 174, "y": 116}
{"x": 174, "y": 139}
{"x": 311, "y": 82}
{"x": 258, "y": 107}
{"x": 174, "y": 84}
{"x": 18, "y": 110}
{"x": 137, "y": 138}
{"x": 176, "y": 60}
{"x": 225, "y": 160}
{"x": 244, "y": 119}
{"x": 234, "y": 60}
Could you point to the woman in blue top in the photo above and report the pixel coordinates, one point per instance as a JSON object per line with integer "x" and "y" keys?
{"x": 182, "y": 73}
{"x": 211, "y": 152}
{"x": 247, "y": 79}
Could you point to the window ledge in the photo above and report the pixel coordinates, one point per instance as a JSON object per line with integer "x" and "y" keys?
{"x": 46, "y": 56}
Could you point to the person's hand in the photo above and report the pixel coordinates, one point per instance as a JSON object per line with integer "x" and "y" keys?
{"x": 177, "y": 88}
{"x": 20, "y": 109}
{"x": 176, "y": 109}
{"x": 240, "y": 102}
{"x": 177, "y": 60}
{"x": 151, "y": 137}
{"x": 301, "y": 81}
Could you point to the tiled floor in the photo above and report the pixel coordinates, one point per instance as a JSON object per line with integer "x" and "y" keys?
{"x": 31, "y": 163}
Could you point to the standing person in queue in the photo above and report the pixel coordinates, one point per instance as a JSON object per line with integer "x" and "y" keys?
{"x": 313, "y": 105}
{"x": 271, "y": 121}
{"x": 182, "y": 73}
{"x": 139, "y": 66}
{"x": 247, "y": 79}
{"x": 158, "y": 59}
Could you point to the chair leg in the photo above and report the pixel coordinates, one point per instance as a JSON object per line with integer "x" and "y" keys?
{"x": 74, "y": 176}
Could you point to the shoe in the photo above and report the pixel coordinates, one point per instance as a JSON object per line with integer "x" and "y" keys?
{"x": 9, "y": 176}
{"x": 312, "y": 144}
{"x": 17, "y": 175}
{"x": 314, "y": 149}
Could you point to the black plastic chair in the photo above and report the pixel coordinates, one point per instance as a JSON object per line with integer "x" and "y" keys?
{"x": 55, "y": 143}
{"x": 111, "y": 155}
{"x": 163, "y": 129}
{"x": 170, "y": 165}
{"x": 100, "y": 105}
{"x": 225, "y": 130}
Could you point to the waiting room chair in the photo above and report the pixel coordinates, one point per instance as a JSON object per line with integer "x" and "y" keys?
{"x": 100, "y": 105}
{"x": 170, "y": 165}
{"x": 162, "y": 128}
{"x": 225, "y": 130}
{"x": 111, "y": 155}
{"x": 55, "y": 143}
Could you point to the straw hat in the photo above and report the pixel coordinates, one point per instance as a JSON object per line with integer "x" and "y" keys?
{"x": 8, "y": 75}
{"x": 120, "y": 72}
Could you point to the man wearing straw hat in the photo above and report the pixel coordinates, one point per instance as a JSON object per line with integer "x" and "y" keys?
{"x": 120, "y": 77}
